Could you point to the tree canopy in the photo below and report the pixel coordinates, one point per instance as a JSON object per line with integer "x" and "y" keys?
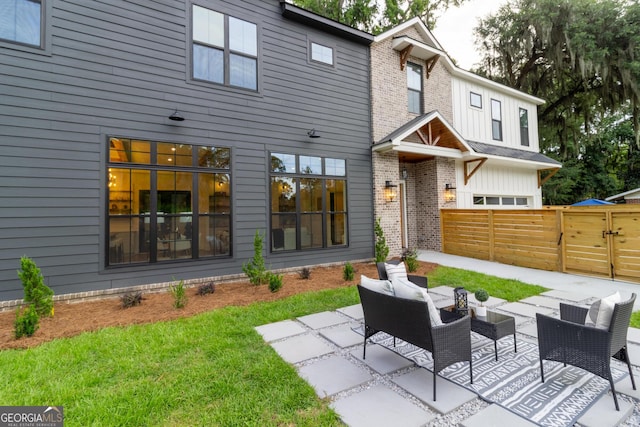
{"x": 583, "y": 58}
{"x": 376, "y": 16}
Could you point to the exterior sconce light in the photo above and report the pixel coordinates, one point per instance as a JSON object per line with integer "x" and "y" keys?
{"x": 313, "y": 134}
{"x": 405, "y": 173}
{"x": 390, "y": 192}
{"x": 176, "y": 117}
{"x": 449, "y": 193}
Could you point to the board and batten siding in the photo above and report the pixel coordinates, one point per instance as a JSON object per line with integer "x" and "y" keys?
{"x": 120, "y": 68}
{"x": 475, "y": 123}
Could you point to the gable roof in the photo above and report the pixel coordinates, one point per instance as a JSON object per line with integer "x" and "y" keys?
{"x": 430, "y": 47}
{"x": 449, "y": 143}
{"x": 635, "y": 192}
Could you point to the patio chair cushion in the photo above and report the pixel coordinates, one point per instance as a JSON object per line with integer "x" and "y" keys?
{"x": 404, "y": 288}
{"x": 600, "y": 312}
{"x": 382, "y": 286}
{"x": 394, "y": 271}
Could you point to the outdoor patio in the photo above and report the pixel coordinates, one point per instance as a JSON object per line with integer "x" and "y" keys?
{"x": 393, "y": 385}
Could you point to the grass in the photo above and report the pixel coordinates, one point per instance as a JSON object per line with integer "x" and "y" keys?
{"x": 508, "y": 289}
{"x": 211, "y": 369}
{"x": 635, "y": 319}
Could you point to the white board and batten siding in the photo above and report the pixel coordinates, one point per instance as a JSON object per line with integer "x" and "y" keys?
{"x": 474, "y": 124}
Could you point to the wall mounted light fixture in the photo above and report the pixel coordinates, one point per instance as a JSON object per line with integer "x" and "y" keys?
{"x": 390, "y": 191}
{"x": 176, "y": 117}
{"x": 405, "y": 173}
{"x": 313, "y": 134}
{"x": 449, "y": 193}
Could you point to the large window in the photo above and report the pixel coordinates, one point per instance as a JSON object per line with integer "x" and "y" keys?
{"x": 414, "y": 86}
{"x": 524, "y": 127}
{"x": 308, "y": 202}
{"x": 21, "y": 21}
{"x": 496, "y": 120}
{"x": 225, "y": 49}
{"x": 167, "y": 201}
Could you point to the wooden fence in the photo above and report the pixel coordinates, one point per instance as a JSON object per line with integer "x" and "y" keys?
{"x": 595, "y": 240}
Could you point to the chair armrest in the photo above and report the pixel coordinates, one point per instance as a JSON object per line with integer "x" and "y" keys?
{"x": 451, "y": 343}
{"x": 418, "y": 280}
{"x": 573, "y": 313}
{"x": 584, "y": 346}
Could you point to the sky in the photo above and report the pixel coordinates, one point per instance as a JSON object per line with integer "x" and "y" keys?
{"x": 454, "y": 30}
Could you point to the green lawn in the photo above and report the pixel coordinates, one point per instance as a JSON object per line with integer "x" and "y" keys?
{"x": 211, "y": 369}
{"x": 508, "y": 289}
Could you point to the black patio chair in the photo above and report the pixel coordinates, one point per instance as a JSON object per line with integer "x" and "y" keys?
{"x": 570, "y": 341}
{"x": 413, "y": 278}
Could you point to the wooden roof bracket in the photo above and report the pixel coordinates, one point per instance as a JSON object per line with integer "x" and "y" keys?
{"x": 431, "y": 63}
{"x": 541, "y": 180}
{"x": 467, "y": 174}
{"x": 404, "y": 56}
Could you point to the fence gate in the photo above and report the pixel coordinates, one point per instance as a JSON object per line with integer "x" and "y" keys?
{"x": 601, "y": 243}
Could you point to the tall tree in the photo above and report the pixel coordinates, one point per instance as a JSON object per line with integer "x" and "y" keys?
{"x": 583, "y": 57}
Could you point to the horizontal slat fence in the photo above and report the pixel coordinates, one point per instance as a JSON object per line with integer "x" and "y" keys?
{"x": 596, "y": 240}
{"x": 527, "y": 238}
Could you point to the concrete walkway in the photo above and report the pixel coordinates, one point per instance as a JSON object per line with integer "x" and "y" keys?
{"x": 388, "y": 389}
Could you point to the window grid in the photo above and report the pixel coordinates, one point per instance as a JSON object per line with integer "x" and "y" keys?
{"x": 522, "y": 201}
{"x": 21, "y": 22}
{"x": 167, "y": 201}
{"x": 308, "y": 202}
{"x": 321, "y": 53}
{"x": 225, "y": 49}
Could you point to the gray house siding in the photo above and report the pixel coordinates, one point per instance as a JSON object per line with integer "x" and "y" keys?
{"x": 118, "y": 69}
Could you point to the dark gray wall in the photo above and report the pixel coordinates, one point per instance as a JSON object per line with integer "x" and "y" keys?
{"x": 120, "y": 68}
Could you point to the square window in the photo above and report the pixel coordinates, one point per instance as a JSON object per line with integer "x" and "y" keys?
{"x": 321, "y": 53}
{"x": 475, "y": 99}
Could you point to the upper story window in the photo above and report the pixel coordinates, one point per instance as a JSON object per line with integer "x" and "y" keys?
{"x": 496, "y": 120}
{"x": 524, "y": 127}
{"x": 321, "y": 53}
{"x": 414, "y": 86}
{"x": 225, "y": 49}
{"x": 500, "y": 201}
{"x": 475, "y": 99}
{"x": 21, "y": 21}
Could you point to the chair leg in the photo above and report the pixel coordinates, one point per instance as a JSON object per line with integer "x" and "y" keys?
{"x": 471, "y": 371}
{"x": 434, "y": 386}
{"x": 495, "y": 348}
{"x": 613, "y": 391}
{"x": 541, "y": 370}
{"x": 364, "y": 349}
{"x": 625, "y": 355}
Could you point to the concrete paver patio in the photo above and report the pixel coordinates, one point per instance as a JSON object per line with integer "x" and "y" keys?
{"x": 388, "y": 389}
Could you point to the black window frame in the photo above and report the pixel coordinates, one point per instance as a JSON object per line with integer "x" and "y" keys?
{"x": 214, "y": 160}
{"x": 496, "y": 124}
{"x": 313, "y": 60}
{"x": 296, "y": 175}
{"x": 226, "y": 50}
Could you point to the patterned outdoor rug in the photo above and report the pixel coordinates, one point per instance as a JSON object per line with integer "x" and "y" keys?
{"x": 514, "y": 383}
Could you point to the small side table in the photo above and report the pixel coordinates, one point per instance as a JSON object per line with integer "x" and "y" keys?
{"x": 493, "y": 326}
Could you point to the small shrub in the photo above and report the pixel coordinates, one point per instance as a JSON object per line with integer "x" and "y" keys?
{"x": 179, "y": 292}
{"x": 382, "y": 250}
{"x": 275, "y": 282}
{"x": 481, "y": 295}
{"x": 26, "y": 323}
{"x": 207, "y": 288}
{"x": 36, "y": 293}
{"x": 305, "y": 273}
{"x": 348, "y": 272}
{"x": 131, "y": 299}
{"x": 410, "y": 258}
{"x": 254, "y": 268}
